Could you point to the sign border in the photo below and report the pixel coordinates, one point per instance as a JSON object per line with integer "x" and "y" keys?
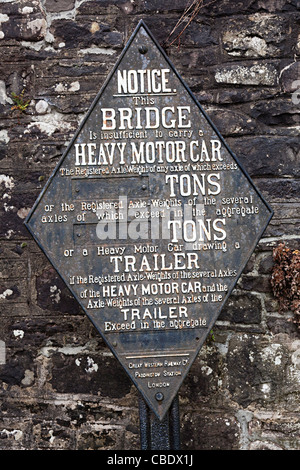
{"x": 141, "y": 24}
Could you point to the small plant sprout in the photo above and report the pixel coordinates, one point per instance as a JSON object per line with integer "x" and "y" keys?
{"x": 20, "y": 103}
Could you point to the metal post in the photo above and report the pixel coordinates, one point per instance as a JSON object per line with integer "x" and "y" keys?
{"x": 156, "y": 434}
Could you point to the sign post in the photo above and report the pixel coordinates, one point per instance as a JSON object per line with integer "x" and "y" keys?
{"x": 149, "y": 219}
{"x": 156, "y": 434}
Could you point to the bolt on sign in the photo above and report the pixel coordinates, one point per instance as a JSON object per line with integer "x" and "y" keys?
{"x": 149, "y": 219}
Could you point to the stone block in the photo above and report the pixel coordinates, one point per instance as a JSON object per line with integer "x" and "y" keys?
{"x": 168, "y": 5}
{"x": 100, "y": 7}
{"x": 53, "y": 295}
{"x": 88, "y": 373}
{"x": 13, "y": 372}
{"x": 289, "y": 78}
{"x": 247, "y": 74}
{"x": 255, "y": 283}
{"x": 240, "y": 95}
{"x": 279, "y": 190}
{"x": 86, "y": 33}
{"x": 58, "y": 6}
{"x": 215, "y": 431}
{"x": 266, "y": 264}
{"x": 262, "y": 155}
{"x": 192, "y": 60}
{"x": 258, "y": 368}
{"x": 245, "y": 308}
{"x": 230, "y": 122}
{"x": 203, "y": 379}
{"x": 198, "y": 34}
{"x": 277, "y": 112}
{"x": 22, "y": 21}
{"x": 48, "y": 434}
{"x": 13, "y": 291}
{"x": 280, "y": 229}
{"x": 278, "y": 5}
{"x": 12, "y": 433}
{"x": 258, "y": 36}
{"x": 16, "y": 199}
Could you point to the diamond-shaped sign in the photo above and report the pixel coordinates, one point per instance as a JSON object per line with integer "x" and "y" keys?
{"x": 149, "y": 219}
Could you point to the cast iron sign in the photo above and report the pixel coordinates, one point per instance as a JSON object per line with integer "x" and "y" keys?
{"x": 149, "y": 219}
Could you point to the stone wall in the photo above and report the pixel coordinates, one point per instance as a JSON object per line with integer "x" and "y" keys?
{"x": 61, "y": 388}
